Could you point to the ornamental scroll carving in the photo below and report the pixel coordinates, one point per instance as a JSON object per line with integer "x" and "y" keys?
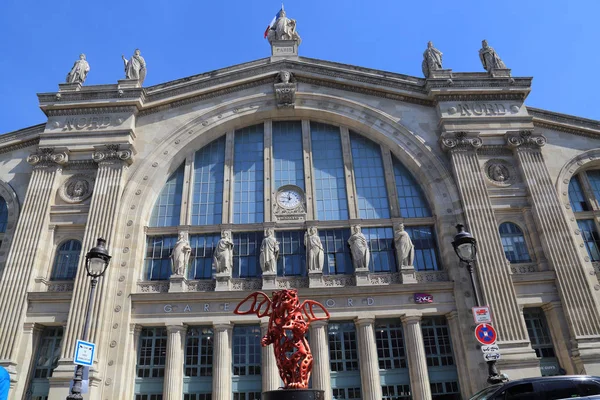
{"x": 285, "y": 90}
{"x": 526, "y": 139}
{"x": 460, "y": 141}
{"x": 45, "y": 157}
{"x": 77, "y": 188}
{"x": 112, "y": 153}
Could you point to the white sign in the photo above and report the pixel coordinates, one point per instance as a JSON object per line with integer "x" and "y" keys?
{"x": 491, "y": 356}
{"x": 84, "y": 353}
{"x": 490, "y": 348}
{"x": 482, "y": 315}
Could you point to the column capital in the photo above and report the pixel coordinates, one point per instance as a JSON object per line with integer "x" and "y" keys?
{"x": 552, "y": 305}
{"x": 364, "y": 321}
{"x": 452, "y": 315}
{"x": 319, "y": 324}
{"x": 525, "y": 139}
{"x": 223, "y": 326}
{"x": 461, "y": 140}
{"x": 112, "y": 154}
{"x": 135, "y": 328}
{"x": 411, "y": 319}
{"x": 176, "y": 328}
{"x": 47, "y": 157}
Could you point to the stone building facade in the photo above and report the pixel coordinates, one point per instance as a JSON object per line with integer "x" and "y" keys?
{"x": 140, "y": 166}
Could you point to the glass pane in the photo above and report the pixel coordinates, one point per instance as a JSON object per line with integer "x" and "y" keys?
{"x": 292, "y": 253}
{"x": 203, "y": 247}
{"x": 337, "y": 251}
{"x": 167, "y": 208}
{"x": 287, "y": 154}
{"x": 246, "y": 252}
{"x": 411, "y": 200}
{"x": 425, "y": 248}
{"x": 381, "y": 243}
{"x": 590, "y": 237}
{"x": 3, "y": 215}
{"x": 66, "y": 261}
{"x": 513, "y": 242}
{"x": 158, "y": 257}
{"x": 246, "y": 350}
{"x": 248, "y": 175}
{"x": 594, "y": 178}
{"x": 576, "y": 198}
{"x": 207, "y": 192}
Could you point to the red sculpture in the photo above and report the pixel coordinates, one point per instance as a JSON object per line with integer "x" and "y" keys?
{"x": 288, "y": 323}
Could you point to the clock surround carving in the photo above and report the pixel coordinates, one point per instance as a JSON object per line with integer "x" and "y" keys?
{"x": 293, "y": 211}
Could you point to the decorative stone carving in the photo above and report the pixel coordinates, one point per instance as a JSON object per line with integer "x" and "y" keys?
{"x": 359, "y": 249}
{"x": 526, "y": 139}
{"x": 79, "y": 71}
{"x": 432, "y": 60}
{"x": 404, "y": 247}
{"x": 45, "y": 157}
{"x": 223, "y": 256}
{"x": 269, "y": 252}
{"x": 499, "y": 172}
{"x": 180, "y": 256}
{"x": 285, "y": 90}
{"x": 460, "y": 141}
{"x": 432, "y": 276}
{"x": 283, "y": 29}
{"x": 489, "y": 58}
{"x": 246, "y": 284}
{"x": 315, "y": 255}
{"x": 112, "y": 153}
{"x": 135, "y": 67}
{"x": 77, "y": 188}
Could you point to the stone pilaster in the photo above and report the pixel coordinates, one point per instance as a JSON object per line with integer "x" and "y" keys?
{"x": 467, "y": 385}
{"x": 28, "y": 238}
{"x": 559, "y": 332}
{"x": 27, "y": 352}
{"x": 493, "y": 273}
{"x": 173, "y": 386}
{"x": 102, "y": 219}
{"x": 221, "y": 389}
{"x": 419, "y": 376}
{"x": 575, "y": 287}
{"x": 369, "y": 363}
{"x": 135, "y": 331}
{"x": 321, "y": 376}
{"x": 270, "y": 372}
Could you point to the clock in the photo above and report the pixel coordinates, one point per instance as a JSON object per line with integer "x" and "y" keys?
{"x": 289, "y": 204}
{"x": 289, "y": 198}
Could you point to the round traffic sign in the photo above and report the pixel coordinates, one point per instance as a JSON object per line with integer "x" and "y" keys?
{"x": 485, "y": 334}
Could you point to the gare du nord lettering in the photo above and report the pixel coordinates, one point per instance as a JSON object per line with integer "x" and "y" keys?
{"x": 466, "y": 109}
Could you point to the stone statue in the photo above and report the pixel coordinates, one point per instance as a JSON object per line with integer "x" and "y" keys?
{"x": 223, "y": 255}
{"x": 269, "y": 252}
{"x": 284, "y": 76}
{"x": 498, "y": 173}
{"x": 405, "y": 249}
{"x": 432, "y": 60}
{"x": 135, "y": 67}
{"x": 79, "y": 72}
{"x": 284, "y": 29}
{"x": 359, "y": 249}
{"x": 489, "y": 58}
{"x": 314, "y": 250}
{"x": 180, "y": 256}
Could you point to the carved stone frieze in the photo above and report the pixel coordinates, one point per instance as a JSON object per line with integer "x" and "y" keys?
{"x": 525, "y": 139}
{"x": 47, "y": 156}
{"x": 77, "y": 188}
{"x": 112, "y": 153}
{"x": 153, "y": 287}
{"x": 203, "y": 285}
{"x": 432, "y": 276}
{"x": 460, "y": 141}
{"x": 246, "y": 284}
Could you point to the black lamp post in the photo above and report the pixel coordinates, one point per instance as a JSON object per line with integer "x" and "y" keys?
{"x": 96, "y": 263}
{"x": 465, "y": 246}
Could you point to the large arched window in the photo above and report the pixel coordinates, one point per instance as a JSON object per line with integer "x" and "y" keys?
{"x": 66, "y": 260}
{"x": 584, "y": 197}
{"x": 513, "y": 242}
{"x": 343, "y": 176}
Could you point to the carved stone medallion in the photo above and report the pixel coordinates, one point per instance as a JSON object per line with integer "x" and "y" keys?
{"x": 499, "y": 172}
{"x": 77, "y": 188}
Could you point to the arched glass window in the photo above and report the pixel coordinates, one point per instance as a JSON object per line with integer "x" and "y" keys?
{"x": 248, "y": 175}
{"x": 576, "y": 197}
{"x": 167, "y": 208}
{"x": 514, "y": 244}
{"x": 411, "y": 200}
{"x": 207, "y": 198}
{"x": 3, "y": 215}
{"x": 287, "y": 154}
{"x": 66, "y": 260}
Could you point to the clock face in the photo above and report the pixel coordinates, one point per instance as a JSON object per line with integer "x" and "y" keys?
{"x": 289, "y": 198}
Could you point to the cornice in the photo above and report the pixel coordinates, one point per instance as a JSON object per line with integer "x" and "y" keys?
{"x": 20, "y": 145}
{"x": 88, "y": 93}
{"x": 480, "y": 97}
{"x": 91, "y": 110}
{"x": 32, "y": 131}
{"x": 564, "y": 123}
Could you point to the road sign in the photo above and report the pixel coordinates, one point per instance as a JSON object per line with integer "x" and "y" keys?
{"x": 482, "y": 315}
{"x": 485, "y": 334}
{"x": 84, "y": 353}
{"x": 491, "y": 356}
{"x": 490, "y": 348}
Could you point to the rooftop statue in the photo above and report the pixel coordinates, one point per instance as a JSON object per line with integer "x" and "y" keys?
{"x": 489, "y": 58}
{"x": 135, "y": 67}
{"x": 79, "y": 72}
{"x": 432, "y": 60}
{"x": 283, "y": 28}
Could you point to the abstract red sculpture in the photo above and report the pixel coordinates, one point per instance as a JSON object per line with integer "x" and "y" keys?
{"x": 288, "y": 323}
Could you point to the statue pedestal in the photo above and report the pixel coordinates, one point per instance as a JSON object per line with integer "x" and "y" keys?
{"x": 69, "y": 87}
{"x": 283, "y": 49}
{"x": 407, "y": 272}
{"x": 223, "y": 282}
{"x": 440, "y": 74}
{"x": 177, "y": 284}
{"x": 294, "y": 394}
{"x": 128, "y": 83}
{"x": 362, "y": 277}
{"x": 500, "y": 73}
{"x": 315, "y": 279}
{"x": 269, "y": 280}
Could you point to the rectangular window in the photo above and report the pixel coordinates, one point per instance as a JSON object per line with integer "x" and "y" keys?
{"x": 443, "y": 376}
{"x": 246, "y": 350}
{"x": 46, "y": 360}
{"x": 444, "y": 391}
{"x": 576, "y": 197}
{"x": 328, "y": 167}
{"x": 158, "y": 257}
{"x": 425, "y": 247}
{"x": 381, "y": 243}
{"x": 201, "y": 258}
{"x": 151, "y": 358}
{"x": 343, "y": 351}
{"x": 590, "y": 237}
{"x": 411, "y": 200}
{"x": 197, "y": 396}
{"x": 207, "y": 192}
{"x": 337, "y": 251}
{"x": 292, "y": 253}
{"x": 346, "y": 393}
{"x": 287, "y": 154}
{"x": 148, "y": 396}
{"x": 167, "y": 209}
{"x": 246, "y": 396}
{"x": 198, "y": 363}
{"x": 396, "y": 392}
{"x": 369, "y": 178}
{"x": 246, "y": 253}
{"x": 541, "y": 341}
{"x": 390, "y": 345}
{"x": 248, "y": 175}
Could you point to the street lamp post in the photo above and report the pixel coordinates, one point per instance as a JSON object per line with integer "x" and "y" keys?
{"x": 465, "y": 246}
{"x": 96, "y": 262}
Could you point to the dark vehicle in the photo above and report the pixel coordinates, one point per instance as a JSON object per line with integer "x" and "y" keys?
{"x": 543, "y": 388}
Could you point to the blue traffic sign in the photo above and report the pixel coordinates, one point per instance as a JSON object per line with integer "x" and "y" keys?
{"x": 84, "y": 353}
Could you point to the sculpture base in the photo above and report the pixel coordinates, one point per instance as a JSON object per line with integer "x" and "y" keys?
{"x": 294, "y": 394}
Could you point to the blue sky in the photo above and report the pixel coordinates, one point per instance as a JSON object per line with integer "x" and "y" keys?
{"x": 556, "y": 42}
